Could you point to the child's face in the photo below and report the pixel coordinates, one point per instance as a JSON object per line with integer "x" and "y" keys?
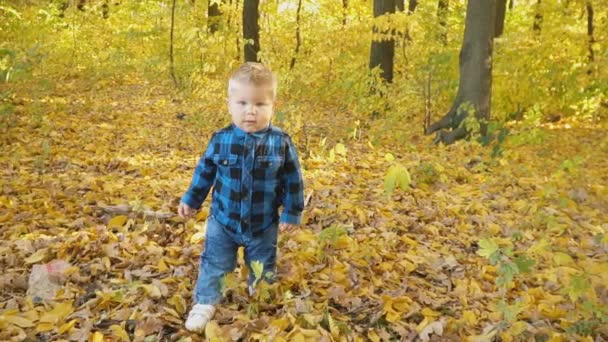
{"x": 251, "y": 106}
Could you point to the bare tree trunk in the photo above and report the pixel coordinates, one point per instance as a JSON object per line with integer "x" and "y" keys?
{"x": 412, "y": 6}
{"x": 383, "y": 52}
{"x": 538, "y": 17}
{"x": 298, "y": 36}
{"x": 105, "y": 9}
{"x": 344, "y": 11}
{"x": 511, "y": 4}
{"x": 501, "y": 9}
{"x": 214, "y": 15}
{"x": 400, "y": 5}
{"x": 475, "y": 85}
{"x": 590, "y": 27}
{"x": 251, "y": 30}
{"x": 172, "y": 65}
{"x": 442, "y": 16}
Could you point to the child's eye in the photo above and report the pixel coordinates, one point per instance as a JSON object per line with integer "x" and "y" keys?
{"x": 261, "y": 104}
{"x": 242, "y": 103}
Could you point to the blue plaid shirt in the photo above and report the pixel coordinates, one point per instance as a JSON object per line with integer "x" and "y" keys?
{"x": 252, "y": 175}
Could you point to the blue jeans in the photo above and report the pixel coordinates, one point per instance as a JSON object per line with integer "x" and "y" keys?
{"x": 219, "y": 258}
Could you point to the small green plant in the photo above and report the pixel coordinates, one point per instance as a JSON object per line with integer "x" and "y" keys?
{"x": 509, "y": 265}
{"x": 426, "y": 173}
{"x": 397, "y": 176}
{"x": 495, "y": 136}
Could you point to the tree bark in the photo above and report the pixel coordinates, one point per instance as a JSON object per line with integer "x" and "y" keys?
{"x": 442, "y": 16}
{"x": 382, "y": 52}
{"x": 511, "y": 4}
{"x": 214, "y": 15}
{"x": 475, "y": 85}
{"x": 501, "y": 9}
{"x": 590, "y": 28}
{"x": 400, "y": 5}
{"x": 298, "y": 36}
{"x": 172, "y": 65}
{"x": 251, "y": 30}
{"x": 538, "y": 17}
{"x": 412, "y": 6}
{"x": 344, "y": 11}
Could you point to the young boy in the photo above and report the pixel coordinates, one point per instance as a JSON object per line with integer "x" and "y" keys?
{"x": 253, "y": 168}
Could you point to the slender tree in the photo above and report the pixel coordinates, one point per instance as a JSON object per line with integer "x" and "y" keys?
{"x": 214, "y": 15}
{"x": 298, "y": 36}
{"x": 412, "y": 6}
{"x": 172, "y": 65}
{"x": 344, "y": 11}
{"x": 501, "y": 9}
{"x": 591, "y": 38}
{"x": 538, "y": 17}
{"x": 251, "y": 30}
{"x": 400, "y": 5}
{"x": 475, "y": 85}
{"x": 382, "y": 52}
{"x": 442, "y": 16}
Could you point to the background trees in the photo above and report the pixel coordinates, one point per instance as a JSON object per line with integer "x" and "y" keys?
{"x": 325, "y": 46}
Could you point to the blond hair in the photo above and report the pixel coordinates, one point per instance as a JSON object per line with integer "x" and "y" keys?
{"x": 254, "y": 73}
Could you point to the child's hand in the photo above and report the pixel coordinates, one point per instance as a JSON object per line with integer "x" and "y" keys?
{"x": 286, "y": 227}
{"x": 184, "y": 211}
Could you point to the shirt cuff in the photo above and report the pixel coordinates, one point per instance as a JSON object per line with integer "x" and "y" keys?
{"x": 190, "y": 201}
{"x": 290, "y": 218}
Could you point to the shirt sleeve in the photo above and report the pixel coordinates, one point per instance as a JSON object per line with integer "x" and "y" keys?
{"x": 202, "y": 180}
{"x": 293, "y": 204}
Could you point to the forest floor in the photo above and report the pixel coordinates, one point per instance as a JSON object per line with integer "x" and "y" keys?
{"x": 92, "y": 175}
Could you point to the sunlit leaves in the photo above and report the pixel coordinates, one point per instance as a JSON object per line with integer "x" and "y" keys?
{"x": 397, "y": 177}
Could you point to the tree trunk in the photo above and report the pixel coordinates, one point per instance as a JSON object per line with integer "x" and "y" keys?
{"x": 251, "y": 30}
{"x": 383, "y": 51}
{"x": 172, "y": 65}
{"x": 442, "y": 16}
{"x": 214, "y": 15}
{"x": 412, "y": 6}
{"x": 475, "y": 85}
{"x": 501, "y": 9}
{"x": 400, "y": 5}
{"x": 105, "y": 9}
{"x": 538, "y": 17}
{"x": 298, "y": 36}
{"x": 344, "y": 11}
{"x": 511, "y": 4}
{"x": 590, "y": 34}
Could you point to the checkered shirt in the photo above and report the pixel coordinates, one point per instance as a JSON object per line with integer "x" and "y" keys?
{"x": 252, "y": 175}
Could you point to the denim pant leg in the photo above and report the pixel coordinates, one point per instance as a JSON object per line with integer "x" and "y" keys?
{"x": 218, "y": 258}
{"x": 263, "y": 248}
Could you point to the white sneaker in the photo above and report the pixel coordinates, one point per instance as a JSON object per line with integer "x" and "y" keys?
{"x": 199, "y": 316}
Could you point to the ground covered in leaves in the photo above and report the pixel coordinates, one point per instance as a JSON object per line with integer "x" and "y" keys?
{"x": 512, "y": 247}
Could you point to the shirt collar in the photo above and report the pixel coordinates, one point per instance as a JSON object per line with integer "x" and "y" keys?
{"x": 258, "y": 134}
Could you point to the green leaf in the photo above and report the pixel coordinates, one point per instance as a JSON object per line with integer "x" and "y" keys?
{"x": 487, "y": 247}
{"x": 510, "y": 312}
{"x": 340, "y": 149}
{"x": 578, "y": 285}
{"x": 258, "y": 269}
{"x": 397, "y": 176}
{"x": 524, "y": 264}
{"x": 505, "y": 273}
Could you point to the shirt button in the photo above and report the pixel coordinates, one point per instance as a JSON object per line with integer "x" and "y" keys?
{"x": 225, "y": 162}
